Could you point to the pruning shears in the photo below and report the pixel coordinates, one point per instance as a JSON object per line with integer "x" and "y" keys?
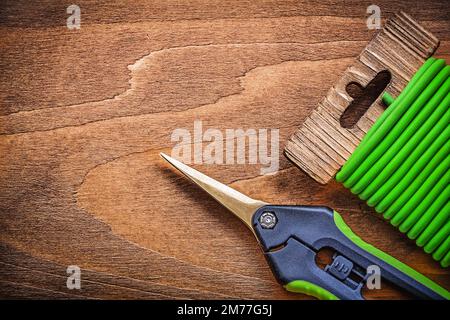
{"x": 292, "y": 236}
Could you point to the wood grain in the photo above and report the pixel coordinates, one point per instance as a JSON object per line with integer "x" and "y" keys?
{"x": 84, "y": 114}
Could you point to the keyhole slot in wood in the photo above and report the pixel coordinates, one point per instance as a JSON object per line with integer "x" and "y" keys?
{"x": 363, "y": 97}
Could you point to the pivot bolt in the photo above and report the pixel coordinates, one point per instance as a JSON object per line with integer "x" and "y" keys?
{"x": 268, "y": 220}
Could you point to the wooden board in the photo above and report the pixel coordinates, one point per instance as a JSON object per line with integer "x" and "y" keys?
{"x": 84, "y": 114}
{"x": 323, "y": 143}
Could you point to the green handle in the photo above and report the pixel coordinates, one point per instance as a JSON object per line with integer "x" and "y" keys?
{"x": 345, "y": 229}
{"x": 301, "y": 286}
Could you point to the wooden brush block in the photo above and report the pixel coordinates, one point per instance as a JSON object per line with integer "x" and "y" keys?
{"x": 321, "y": 145}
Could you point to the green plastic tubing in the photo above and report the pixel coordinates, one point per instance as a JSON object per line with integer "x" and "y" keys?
{"x": 401, "y": 167}
{"x": 437, "y": 240}
{"x": 388, "y": 138}
{"x": 443, "y": 249}
{"x": 410, "y": 186}
{"x": 440, "y": 219}
{"x": 425, "y": 188}
{"x": 408, "y": 139}
{"x": 431, "y": 212}
{"x": 387, "y": 99}
{"x": 371, "y": 140}
{"x": 430, "y": 198}
{"x": 415, "y": 162}
{"x": 445, "y": 262}
{"x": 405, "y": 91}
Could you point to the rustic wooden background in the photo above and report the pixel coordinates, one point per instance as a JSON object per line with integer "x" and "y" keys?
{"x": 84, "y": 114}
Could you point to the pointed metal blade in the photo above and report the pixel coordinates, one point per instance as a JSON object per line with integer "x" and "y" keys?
{"x": 242, "y": 206}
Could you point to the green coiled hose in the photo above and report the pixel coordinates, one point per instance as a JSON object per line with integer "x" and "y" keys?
{"x": 401, "y": 167}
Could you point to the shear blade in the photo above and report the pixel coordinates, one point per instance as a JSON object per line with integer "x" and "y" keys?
{"x": 242, "y": 206}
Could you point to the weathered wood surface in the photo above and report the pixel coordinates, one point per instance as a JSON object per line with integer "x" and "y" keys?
{"x": 84, "y": 114}
{"x": 323, "y": 143}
